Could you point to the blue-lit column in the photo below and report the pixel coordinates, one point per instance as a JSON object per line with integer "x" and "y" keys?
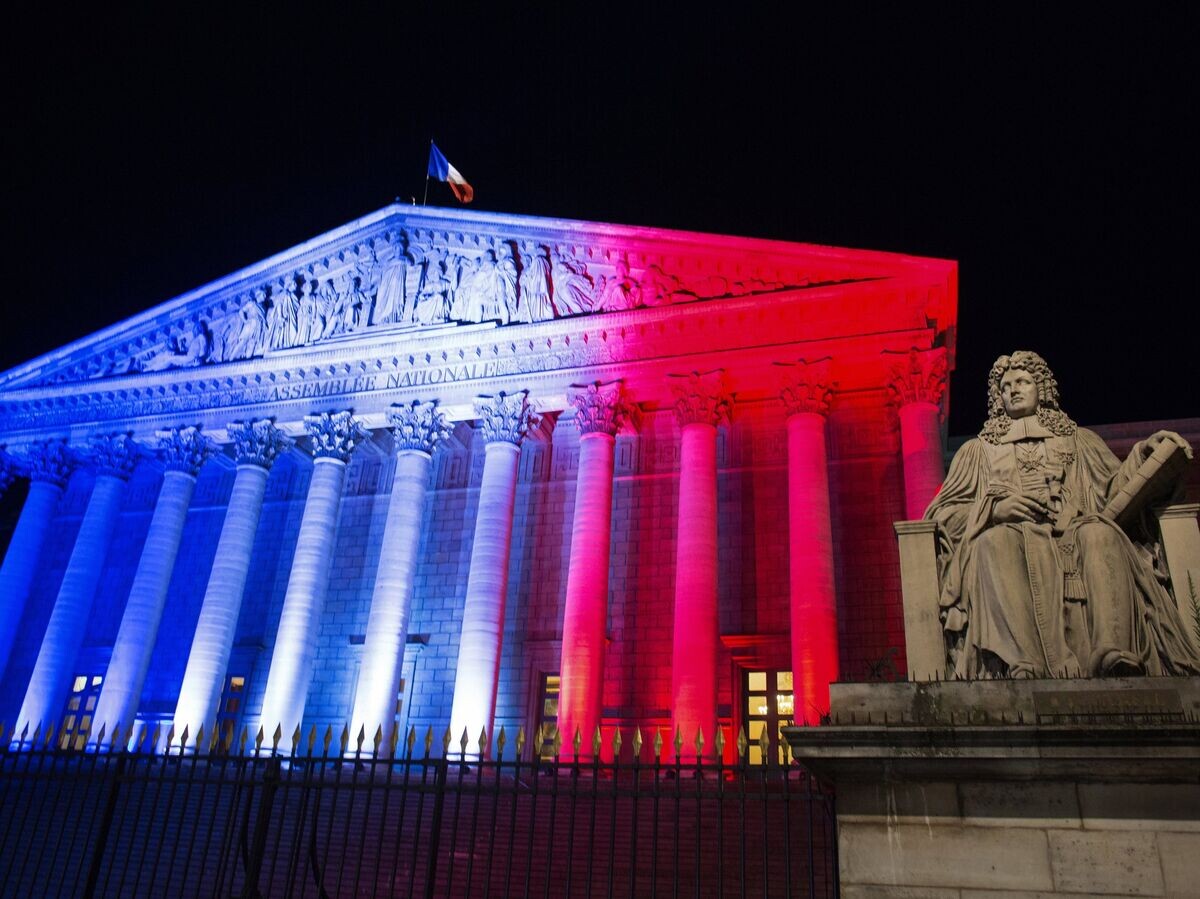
{"x": 8, "y": 470}
{"x": 49, "y": 465}
{"x": 333, "y": 439}
{"x": 504, "y": 421}
{"x": 417, "y": 430}
{"x": 115, "y": 457}
{"x": 183, "y": 451}
{"x": 257, "y": 444}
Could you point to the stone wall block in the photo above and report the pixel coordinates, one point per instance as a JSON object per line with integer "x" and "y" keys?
{"x": 1180, "y": 854}
{"x": 1020, "y": 804}
{"x": 1121, "y": 862}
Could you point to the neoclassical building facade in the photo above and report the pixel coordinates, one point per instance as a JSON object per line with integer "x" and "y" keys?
{"x": 442, "y": 468}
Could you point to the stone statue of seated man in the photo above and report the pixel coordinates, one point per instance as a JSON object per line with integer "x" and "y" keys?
{"x": 1035, "y": 580}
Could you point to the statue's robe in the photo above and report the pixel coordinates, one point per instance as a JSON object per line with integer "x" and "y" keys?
{"x": 1069, "y": 598}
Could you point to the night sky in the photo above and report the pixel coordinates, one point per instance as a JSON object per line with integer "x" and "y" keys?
{"x": 1053, "y": 158}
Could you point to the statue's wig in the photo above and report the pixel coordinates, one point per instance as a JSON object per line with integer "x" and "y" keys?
{"x": 1048, "y": 412}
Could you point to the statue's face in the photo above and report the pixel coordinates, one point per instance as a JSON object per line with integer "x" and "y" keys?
{"x": 1019, "y": 393}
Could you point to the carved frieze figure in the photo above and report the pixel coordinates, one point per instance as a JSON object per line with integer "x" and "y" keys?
{"x": 183, "y": 352}
{"x": 660, "y": 289}
{"x": 619, "y": 292}
{"x": 436, "y": 296}
{"x": 399, "y": 285}
{"x": 1036, "y": 581}
{"x": 283, "y": 317}
{"x": 330, "y": 309}
{"x": 572, "y": 285}
{"x": 252, "y": 326}
{"x": 534, "y": 300}
{"x": 506, "y": 281}
{"x": 309, "y": 323}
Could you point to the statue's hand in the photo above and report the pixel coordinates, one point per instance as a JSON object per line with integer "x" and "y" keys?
{"x": 1019, "y": 507}
{"x": 1161, "y": 437}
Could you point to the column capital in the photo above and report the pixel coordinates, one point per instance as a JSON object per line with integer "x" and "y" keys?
{"x": 115, "y": 454}
{"x": 505, "y": 417}
{"x": 418, "y": 426}
{"x": 51, "y": 461}
{"x": 701, "y": 398}
{"x": 8, "y": 470}
{"x": 184, "y": 449}
{"x": 334, "y": 434}
{"x": 805, "y": 386}
{"x": 599, "y": 408}
{"x": 258, "y": 442}
{"x": 919, "y": 377}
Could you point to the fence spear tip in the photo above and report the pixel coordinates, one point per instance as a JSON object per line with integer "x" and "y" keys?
{"x": 596, "y": 742}
{"x": 501, "y": 740}
{"x": 616, "y": 744}
{"x": 520, "y": 740}
{"x": 637, "y": 742}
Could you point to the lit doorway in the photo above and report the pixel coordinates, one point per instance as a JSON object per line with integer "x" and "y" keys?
{"x": 768, "y": 705}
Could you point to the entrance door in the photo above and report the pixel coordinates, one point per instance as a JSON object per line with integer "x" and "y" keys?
{"x": 768, "y": 705}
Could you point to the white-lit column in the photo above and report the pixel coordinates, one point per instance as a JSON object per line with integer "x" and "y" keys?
{"x": 504, "y": 421}
{"x": 599, "y": 411}
{"x": 917, "y": 387}
{"x": 417, "y": 429}
{"x": 701, "y": 405}
{"x": 257, "y": 444}
{"x": 814, "y": 638}
{"x": 183, "y": 451}
{"x": 115, "y": 457}
{"x": 333, "y": 440}
{"x": 49, "y": 465}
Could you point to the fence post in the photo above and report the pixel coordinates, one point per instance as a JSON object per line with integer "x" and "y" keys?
{"x": 106, "y": 819}
{"x": 258, "y": 847}
{"x": 435, "y": 828}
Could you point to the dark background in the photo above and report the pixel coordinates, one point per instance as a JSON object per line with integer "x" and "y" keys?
{"x": 1052, "y": 156}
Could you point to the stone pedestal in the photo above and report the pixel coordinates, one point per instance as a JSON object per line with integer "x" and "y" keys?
{"x": 1013, "y": 788}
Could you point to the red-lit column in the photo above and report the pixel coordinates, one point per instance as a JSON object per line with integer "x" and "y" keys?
{"x": 599, "y": 411}
{"x": 49, "y": 464}
{"x": 917, "y": 387}
{"x": 805, "y": 392}
{"x": 701, "y": 405}
{"x": 504, "y": 421}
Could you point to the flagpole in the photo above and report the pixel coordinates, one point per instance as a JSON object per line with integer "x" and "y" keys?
{"x": 425, "y": 198}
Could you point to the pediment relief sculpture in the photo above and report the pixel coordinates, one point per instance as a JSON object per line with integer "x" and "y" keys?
{"x": 413, "y": 278}
{"x": 1047, "y": 557}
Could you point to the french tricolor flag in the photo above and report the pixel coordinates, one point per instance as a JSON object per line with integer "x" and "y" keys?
{"x": 440, "y": 168}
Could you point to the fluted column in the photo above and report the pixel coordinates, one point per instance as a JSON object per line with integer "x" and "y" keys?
{"x": 701, "y": 405}
{"x": 334, "y": 437}
{"x": 806, "y": 394}
{"x": 504, "y": 420}
{"x": 49, "y": 464}
{"x": 599, "y": 411}
{"x": 183, "y": 452}
{"x": 257, "y": 444}
{"x": 417, "y": 430}
{"x": 917, "y": 386}
{"x": 115, "y": 457}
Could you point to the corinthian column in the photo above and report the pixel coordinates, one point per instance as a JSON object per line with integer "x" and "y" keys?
{"x": 183, "y": 451}
{"x": 417, "y": 430}
{"x": 917, "y": 386}
{"x": 504, "y": 420}
{"x": 333, "y": 440}
{"x": 701, "y": 405}
{"x": 599, "y": 411}
{"x": 115, "y": 457}
{"x": 257, "y": 444}
{"x": 49, "y": 465}
{"x": 806, "y": 394}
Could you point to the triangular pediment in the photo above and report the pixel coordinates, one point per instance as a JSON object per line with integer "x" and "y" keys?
{"x": 404, "y": 273}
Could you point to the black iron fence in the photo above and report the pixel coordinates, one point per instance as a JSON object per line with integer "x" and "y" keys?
{"x": 335, "y": 819}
